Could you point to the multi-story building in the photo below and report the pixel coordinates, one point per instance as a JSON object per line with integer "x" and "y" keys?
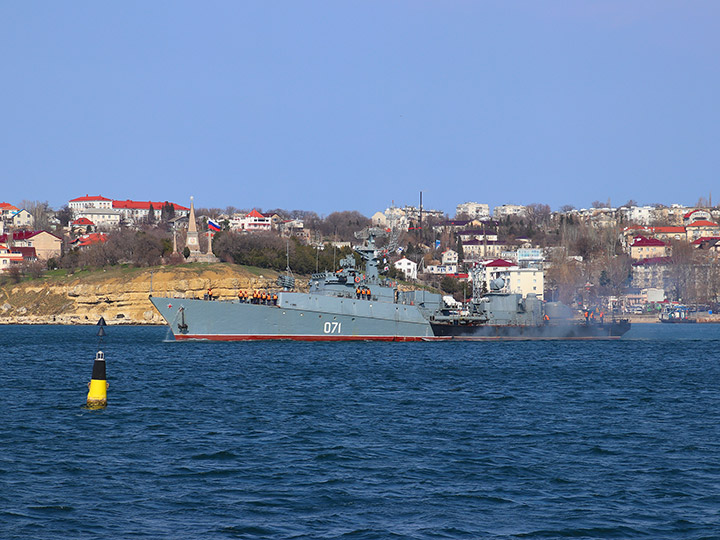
{"x": 9, "y": 258}
{"x": 474, "y": 250}
{"x": 648, "y": 248}
{"x": 473, "y": 210}
{"x": 90, "y": 201}
{"x": 702, "y": 229}
{"x": 500, "y": 212}
{"x": 102, "y": 218}
{"x": 651, "y": 273}
{"x": 108, "y": 213}
{"x": 252, "y": 222}
{"x": 46, "y": 245}
{"x": 640, "y": 215}
{"x": 517, "y": 280}
{"x": 139, "y": 211}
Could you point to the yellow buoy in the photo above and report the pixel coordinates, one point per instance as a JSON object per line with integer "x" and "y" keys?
{"x": 97, "y": 387}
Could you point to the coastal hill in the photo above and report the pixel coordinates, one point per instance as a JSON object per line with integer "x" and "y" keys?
{"x": 120, "y": 294}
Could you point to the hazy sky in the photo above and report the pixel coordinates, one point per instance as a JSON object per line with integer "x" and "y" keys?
{"x": 340, "y": 105}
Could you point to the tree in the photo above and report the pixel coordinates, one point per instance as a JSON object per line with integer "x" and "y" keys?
{"x": 64, "y": 215}
{"x": 151, "y": 215}
{"x": 167, "y": 212}
{"x": 40, "y": 211}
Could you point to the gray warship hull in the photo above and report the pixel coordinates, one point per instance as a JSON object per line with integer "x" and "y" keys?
{"x": 295, "y": 316}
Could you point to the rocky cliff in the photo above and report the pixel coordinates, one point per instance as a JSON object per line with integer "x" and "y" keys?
{"x": 120, "y": 295}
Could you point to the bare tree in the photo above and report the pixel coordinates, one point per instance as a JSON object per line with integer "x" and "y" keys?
{"x": 40, "y": 211}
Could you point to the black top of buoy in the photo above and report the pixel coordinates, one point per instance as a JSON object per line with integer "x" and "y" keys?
{"x": 102, "y": 322}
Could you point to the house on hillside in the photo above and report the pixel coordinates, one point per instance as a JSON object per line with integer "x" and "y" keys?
{"x": 696, "y": 215}
{"x": 82, "y": 224}
{"x": 46, "y": 245}
{"x": 700, "y": 229}
{"x": 9, "y": 257}
{"x": 102, "y": 218}
{"x": 648, "y": 248}
{"x": 450, "y": 256}
{"x": 251, "y": 222}
{"x": 22, "y": 219}
{"x": 86, "y": 240}
{"x": 407, "y": 267}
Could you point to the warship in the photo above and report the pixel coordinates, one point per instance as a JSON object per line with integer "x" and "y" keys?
{"x": 355, "y": 304}
{"x": 504, "y": 316}
{"x": 349, "y": 304}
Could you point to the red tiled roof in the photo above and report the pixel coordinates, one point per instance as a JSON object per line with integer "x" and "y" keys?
{"x": 641, "y": 241}
{"x": 705, "y": 239}
{"x": 255, "y": 214}
{"x": 24, "y": 235}
{"x": 26, "y": 252}
{"x": 8, "y": 206}
{"x": 90, "y": 239}
{"x": 87, "y": 198}
{"x": 501, "y": 263}
{"x": 82, "y": 221}
{"x": 703, "y": 223}
{"x": 145, "y": 205}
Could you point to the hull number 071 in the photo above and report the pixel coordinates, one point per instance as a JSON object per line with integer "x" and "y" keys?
{"x": 332, "y": 327}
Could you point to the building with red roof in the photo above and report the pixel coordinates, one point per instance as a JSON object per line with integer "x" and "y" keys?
{"x": 46, "y": 244}
{"x": 137, "y": 211}
{"x": 108, "y": 213}
{"x": 254, "y": 221}
{"x": 7, "y": 210}
{"x": 696, "y": 215}
{"x": 700, "y": 228}
{"x": 89, "y": 201}
{"x": 9, "y": 257}
{"x": 646, "y": 248}
{"x": 86, "y": 240}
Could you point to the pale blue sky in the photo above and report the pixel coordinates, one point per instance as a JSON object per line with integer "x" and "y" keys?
{"x": 335, "y": 105}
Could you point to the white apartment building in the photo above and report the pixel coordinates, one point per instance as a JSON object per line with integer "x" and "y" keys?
{"x": 505, "y": 210}
{"x": 89, "y": 201}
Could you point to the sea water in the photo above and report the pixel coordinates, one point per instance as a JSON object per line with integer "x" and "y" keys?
{"x": 535, "y": 439}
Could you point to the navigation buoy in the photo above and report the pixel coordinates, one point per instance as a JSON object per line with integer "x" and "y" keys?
{"x": 98, "y": 385}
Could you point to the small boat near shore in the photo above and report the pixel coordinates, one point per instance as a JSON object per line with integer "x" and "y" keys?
{"x": 676, "y": 314}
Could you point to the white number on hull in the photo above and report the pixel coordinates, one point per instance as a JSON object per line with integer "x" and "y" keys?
{"x": 332, "y": 327}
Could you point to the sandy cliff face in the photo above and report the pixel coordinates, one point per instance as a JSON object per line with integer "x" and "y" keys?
{"x": 121, "y": 295}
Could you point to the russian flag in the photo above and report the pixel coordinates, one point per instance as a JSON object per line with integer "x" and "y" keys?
{"x": 213, "y": 226}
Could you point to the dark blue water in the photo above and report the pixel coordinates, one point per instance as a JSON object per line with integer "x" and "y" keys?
{"x": 610, "y": 439}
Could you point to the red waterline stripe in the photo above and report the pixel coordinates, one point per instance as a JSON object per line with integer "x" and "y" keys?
{"x": 261, "y": 337}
